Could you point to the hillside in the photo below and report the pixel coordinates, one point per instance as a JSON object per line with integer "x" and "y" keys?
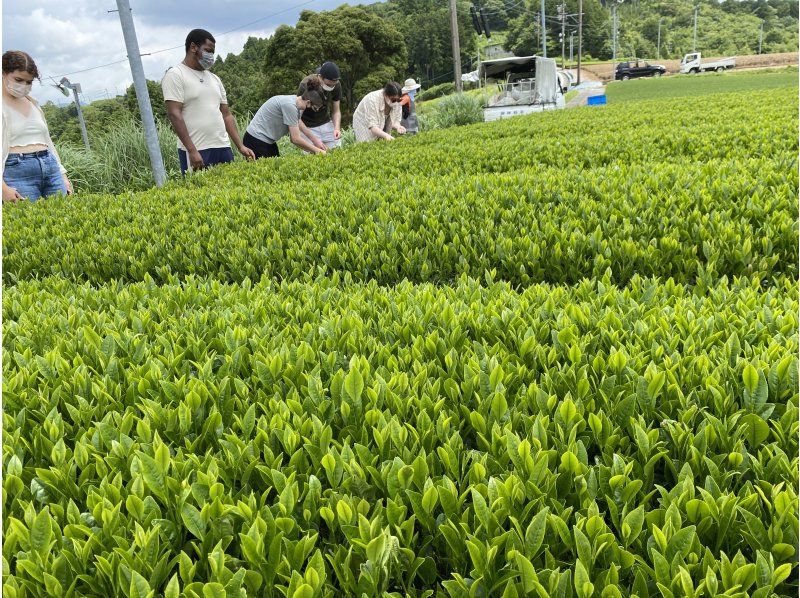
{"x": 731, "y": 27}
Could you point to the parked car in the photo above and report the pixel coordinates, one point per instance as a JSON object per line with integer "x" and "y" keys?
{"x": 637, "y": 68}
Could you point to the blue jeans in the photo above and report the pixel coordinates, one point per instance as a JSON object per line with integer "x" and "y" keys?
{"x": 211, "y": 156}
{"x": 34, "y": 175}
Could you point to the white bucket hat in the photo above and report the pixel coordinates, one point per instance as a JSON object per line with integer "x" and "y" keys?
{"x": 409, "y": 85}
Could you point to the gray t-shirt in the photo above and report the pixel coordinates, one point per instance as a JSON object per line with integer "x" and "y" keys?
{"x": 273, "y": 119}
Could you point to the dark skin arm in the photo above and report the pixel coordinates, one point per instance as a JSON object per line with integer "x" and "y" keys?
{"x": 233, "y": 132}
{"x": 175, "y": 116}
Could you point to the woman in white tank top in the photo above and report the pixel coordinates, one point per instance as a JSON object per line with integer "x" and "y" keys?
{"x": 31, "y": 166}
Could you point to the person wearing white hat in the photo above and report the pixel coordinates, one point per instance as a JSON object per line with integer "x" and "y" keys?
{"x": 409, "y": 105}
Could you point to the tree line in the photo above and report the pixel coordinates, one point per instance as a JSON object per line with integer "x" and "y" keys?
{"x": 399, "y": 38}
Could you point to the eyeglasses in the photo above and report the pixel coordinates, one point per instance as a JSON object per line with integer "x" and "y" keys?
{"x": 395, "y": 100}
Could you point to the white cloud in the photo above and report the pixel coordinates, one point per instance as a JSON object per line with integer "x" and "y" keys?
{"x": 65, "y": 36}
{"x": 59, "y": 46}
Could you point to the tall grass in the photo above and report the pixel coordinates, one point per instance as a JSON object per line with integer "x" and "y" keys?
{"x": 118, "y": 160}
{"x": 453, "y": 111}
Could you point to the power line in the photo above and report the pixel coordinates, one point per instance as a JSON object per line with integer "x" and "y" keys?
{"x": 236, "y": 28}
{"x": 505, "y": 8}
{"x": 102, "y": 66}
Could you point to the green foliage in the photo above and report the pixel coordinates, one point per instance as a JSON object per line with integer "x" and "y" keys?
{"x": 369, "y": 51}
{"x": 243, "y": 76}
{"x": 724, "y": 28}
{"x": 436, "y": 91}
{"x": 699, "y": 86}
{"x": 418, "y": 437}
{"x": 524, "y": 37}
{"x": 119, "y": 160}
{"x": 655, "y": 191}
{"x": 425, "y": 26}
{"x": 456, "y": 110}
{"x": 548, "y": 356}
{"x": 99, "y": 116}
{"x": 156, "y": 101}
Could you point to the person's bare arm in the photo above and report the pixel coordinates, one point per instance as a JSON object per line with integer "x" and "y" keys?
{"x": 233, "y": 132}
{"x": 301, "y": 142}
{"x": 378, "y": 132}
{"x": 310, "y": 135}
{"x": 175, "y": 116}
{"x": 336, "y": 116}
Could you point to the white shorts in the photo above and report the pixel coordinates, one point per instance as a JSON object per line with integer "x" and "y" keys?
{"x": 325, "y": 133}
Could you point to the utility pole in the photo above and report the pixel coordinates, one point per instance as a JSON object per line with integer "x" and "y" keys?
{"x": 544, "y": 33}
{"x": 614, "y": 38}
{"x": 563, "y": 11}
{"x": 760, "y": 36}
{"x": 571, "y": 35}
{"x": 456, "y": 45}
{"x": 694, "y": 42}
{"x": 142, "y": 95}
{"x": 64, "y": 85}
{"x": 75, "y": 89}
{"x": 580, "y": 37}
{"x": 478, "y": 67}
{"x": 658, "y": 51}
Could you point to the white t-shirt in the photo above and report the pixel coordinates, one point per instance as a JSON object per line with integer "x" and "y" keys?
{"x": 201, "y": 100}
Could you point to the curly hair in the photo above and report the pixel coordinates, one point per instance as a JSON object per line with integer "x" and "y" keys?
{"x": 17, "y": 60}
{"x": 313, "y": 91}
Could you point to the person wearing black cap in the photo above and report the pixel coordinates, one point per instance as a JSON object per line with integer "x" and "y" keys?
{"x": 325, "y": 124}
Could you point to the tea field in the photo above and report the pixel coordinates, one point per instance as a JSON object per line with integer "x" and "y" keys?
{"x": 548, "y": 356}
{"x": 689, "y": 86}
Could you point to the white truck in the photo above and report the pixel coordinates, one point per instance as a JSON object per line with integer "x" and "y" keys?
{"x": 526, "y": 84}
{"x": 692, "y": 63}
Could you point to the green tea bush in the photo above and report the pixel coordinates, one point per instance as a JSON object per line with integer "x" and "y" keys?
{"x": 695, "y": 201}
{"x": 354, "y": 439}
{"x": 549, "y": 356}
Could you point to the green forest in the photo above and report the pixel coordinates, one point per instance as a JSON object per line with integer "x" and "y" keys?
{"x": 400, "y": 38}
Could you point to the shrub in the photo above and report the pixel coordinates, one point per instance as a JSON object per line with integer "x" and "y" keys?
{"x": 436, "y": 91}
{"x": 456, "y": 110}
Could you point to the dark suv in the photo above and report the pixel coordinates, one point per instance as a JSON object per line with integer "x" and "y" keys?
{"x": 638, "y": 68}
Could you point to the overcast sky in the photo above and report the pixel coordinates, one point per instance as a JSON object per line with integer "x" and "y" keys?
{"x": 65, "y": 36}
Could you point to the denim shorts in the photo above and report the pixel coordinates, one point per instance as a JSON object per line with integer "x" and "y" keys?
{"x": 34, "y": 175}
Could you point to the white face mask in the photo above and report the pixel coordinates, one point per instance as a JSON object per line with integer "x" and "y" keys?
{"x": 18, "y": 90}
{"x": 207, "y": 61}
{"x": 328, "y": 87}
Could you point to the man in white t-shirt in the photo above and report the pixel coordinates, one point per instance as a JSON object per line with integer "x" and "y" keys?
{"x": 197, "y": 107}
